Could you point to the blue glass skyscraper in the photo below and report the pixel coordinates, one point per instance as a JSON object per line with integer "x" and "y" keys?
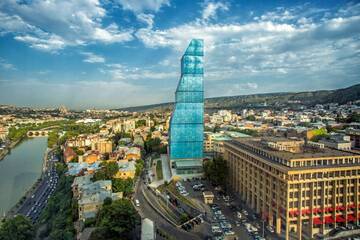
{"x": 187, "y": 120}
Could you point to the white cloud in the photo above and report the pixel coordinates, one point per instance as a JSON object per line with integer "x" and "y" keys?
{"x": 236, "y": 88}
{"x": 111, "y": 34}
{"x": 93, "y": 58}
{"x": 285, "y": 49}
{"x": 13, "y": 24}
{"x": 280, "y": 16}
{"x": 148, "y": 19}
{"x": 210, "y": 10}
{"x": 53, "y": 25}
{"x": 5, "y": 65}
{"x": 139, "y": 6}
{"x": 125, "y": 73}
{"x": 232, "y": 59}
{"x": 274, "y": 45}
{"x": 43, "y": 41}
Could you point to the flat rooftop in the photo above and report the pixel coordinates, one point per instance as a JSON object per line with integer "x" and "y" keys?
{"x": 188, "y": 163}
{"x": 306, "y": 152}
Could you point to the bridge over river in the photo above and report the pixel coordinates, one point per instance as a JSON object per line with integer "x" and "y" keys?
{"x": 38, "y": 133}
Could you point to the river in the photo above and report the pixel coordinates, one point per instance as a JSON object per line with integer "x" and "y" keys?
{"x": 19, "y": 171}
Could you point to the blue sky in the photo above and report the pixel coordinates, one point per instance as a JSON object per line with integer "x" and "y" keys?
{"x": 116, "y": 53}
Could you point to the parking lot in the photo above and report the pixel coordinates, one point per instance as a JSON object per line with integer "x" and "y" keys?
{"x": 226, "y": 216}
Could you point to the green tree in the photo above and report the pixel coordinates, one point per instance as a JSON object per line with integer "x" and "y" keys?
{"x": 139, "y": 166}
{"x": 106, "y": 156}
{"x": 107, "y": 171}
{"x": 123, "y": 185}
{"x": 61, "y": 210}
{"x": 19, "y": 228}
{"x": 153, "y": 145}
{"x": 17, "y": 133}
{"x": 107, "y": 201}
{"x": 78, "y": 151}
{"x": 250, "y": 132}
{"x": 216, "y": 171}
{"x": 120, "y": 135}
{"x": 116, "y": 220}
{"x": 330, "y": 129}
{"x": 52, "y": 138}
{"x": 354, "y": 117}
{"x": 140, "y": 123}
{"x": 250, "y": 118}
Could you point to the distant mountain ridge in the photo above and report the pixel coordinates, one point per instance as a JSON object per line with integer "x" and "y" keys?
{"x": 275, "y": 100}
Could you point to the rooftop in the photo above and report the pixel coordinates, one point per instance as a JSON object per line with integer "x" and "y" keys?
{"x": 126, "y": 166}
{"x": 188, "y": 163}
{"x": 208, "y": 194}
{"x": 306, "y": 152}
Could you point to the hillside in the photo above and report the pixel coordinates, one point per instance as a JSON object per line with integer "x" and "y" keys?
{"x": 274, "y": 100}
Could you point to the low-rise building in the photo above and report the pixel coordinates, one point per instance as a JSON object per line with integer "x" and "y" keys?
{"x": 336, "y": 144}
{"x": 3, "y": 133}
{"x": 91, "y": 157}
{"x": 208, "y": 197}
{"x": 354, "y": 137}
{"x": 127, "y": 169}
{"x": 91, "y": 195}
{"x": 83, "y": 168}
{"x": 133, "y": 153}
{"x": 69, "y": 154}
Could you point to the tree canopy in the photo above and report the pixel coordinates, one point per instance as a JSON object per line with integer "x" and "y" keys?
{"x": 216, "y": 171}
{"x": 139, "y": 123}
{"x": 61, "y": 210}
{"x": 122, "y": 185}
{"x": 18, "y": 227}
{"x": 120, "y": 135}
{"x": 154, "y": 145}
{"x": 107, "y": 171}
{"x": 116, "y": 220}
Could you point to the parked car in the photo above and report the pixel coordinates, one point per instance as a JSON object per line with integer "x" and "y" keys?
{"x": 229, "y": 233}
{"x": 270, "y": 228}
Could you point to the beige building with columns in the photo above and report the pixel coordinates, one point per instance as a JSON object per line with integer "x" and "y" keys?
{"x": 301, "y": 190}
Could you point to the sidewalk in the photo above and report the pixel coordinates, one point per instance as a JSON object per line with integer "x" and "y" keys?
{"x": 165, "y": 167}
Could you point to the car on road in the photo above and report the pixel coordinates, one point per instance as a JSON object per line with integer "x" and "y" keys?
{"x": 137, "y": 203}
{"x": 216, "y": 229}
{"x": 270, "y": 228}
{"x": 244, "y": 212}
{"x": 259, "y": 238}
{"x": 229, "y": 233}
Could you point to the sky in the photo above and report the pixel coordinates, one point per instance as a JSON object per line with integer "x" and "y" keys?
{"x": 119, "y": 53}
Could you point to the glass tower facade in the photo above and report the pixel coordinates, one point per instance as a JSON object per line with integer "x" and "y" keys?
{"x": 187, "y": 120}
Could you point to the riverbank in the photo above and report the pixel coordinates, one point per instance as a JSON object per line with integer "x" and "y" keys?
{"x": 30, "y": 192}
{"x": 12, "y": 145}
{"x": 20, "y": 172}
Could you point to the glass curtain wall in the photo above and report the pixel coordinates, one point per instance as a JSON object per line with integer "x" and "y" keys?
{"x": 187, "y": 121}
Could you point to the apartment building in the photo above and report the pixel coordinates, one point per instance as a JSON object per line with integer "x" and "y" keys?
{"x": 299, "y": 189}
{"x": 3, "y": 132}
{"x": 91, "y": 195}
{"x": 103, "y": 146}
{"x": 127, "y": 169}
